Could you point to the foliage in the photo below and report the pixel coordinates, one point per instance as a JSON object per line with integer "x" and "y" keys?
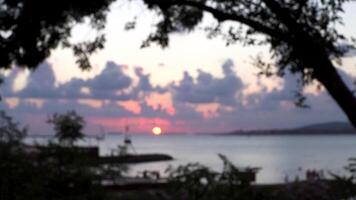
{"x": 53, "y": 172}
{"x": 68, "y": 127}
{"x": 30, "y": 29}
{"x": 285, "y": 24}
{"x": 69, "y": 174}
{"x": 9, "y": 130}
{"x": 57, "y": 174}
{"x": 195, "y": 181}
{"x": 12, "y": 156}
{"x": 28, "y": 32}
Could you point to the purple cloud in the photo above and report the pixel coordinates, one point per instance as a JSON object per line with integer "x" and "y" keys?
{"x": 263, "y": 109}
{"x": 209, "y": 89}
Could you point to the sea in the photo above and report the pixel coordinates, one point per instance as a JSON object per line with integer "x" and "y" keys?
{"x": 281, "y": 157}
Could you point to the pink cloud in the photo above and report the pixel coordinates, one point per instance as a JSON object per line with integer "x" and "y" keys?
{"x": 161, "y": 101}
{"x": 131, "y": 105}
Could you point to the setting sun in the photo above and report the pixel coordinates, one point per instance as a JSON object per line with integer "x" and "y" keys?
{"x": 156, "y": 130}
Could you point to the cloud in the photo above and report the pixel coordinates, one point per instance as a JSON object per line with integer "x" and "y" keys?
{"x": 285, "y": 96}
{"x": 144, "y": 84}
{"x": 73, "y": 89}
{"x": 273, "y": 100}
{"x": 276, "y": 109}
{"x": 40, "y": 83}
{"x": 111, "y": 78}
{"x": 7, "y": 86}
{"x": 204, "y": 103}
{"x": 144, "y": 80}
{"x": 112, "y": 84}
{"x": 208, "y": 89}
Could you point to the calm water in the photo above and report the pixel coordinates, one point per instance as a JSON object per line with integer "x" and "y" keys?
{"x": 277, "y": 155}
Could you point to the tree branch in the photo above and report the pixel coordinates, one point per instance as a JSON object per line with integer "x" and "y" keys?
{"x": 223, "y": 16}
{"x": 283, "y": 15}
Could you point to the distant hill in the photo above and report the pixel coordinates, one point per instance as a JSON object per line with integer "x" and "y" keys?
{"x": 321, "y": 128}
{"x": 329, "y": 127}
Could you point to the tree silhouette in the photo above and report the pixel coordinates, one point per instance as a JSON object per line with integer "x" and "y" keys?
{"x": 301, "y": 34}
{"x": 29, "y": 171}
{"x": 30, "y": 29}
{"x": 10, "y": 132}
{"x": 68, "y": 127}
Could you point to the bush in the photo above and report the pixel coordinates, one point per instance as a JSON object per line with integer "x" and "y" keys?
{"x": 52, "y": 173}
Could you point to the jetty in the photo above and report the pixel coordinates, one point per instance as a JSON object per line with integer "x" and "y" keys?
{"x": 134, "y": 158}
{"x": 93, "y": 154}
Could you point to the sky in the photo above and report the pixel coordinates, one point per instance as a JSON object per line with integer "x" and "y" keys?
{"x": 196, "y": 85}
